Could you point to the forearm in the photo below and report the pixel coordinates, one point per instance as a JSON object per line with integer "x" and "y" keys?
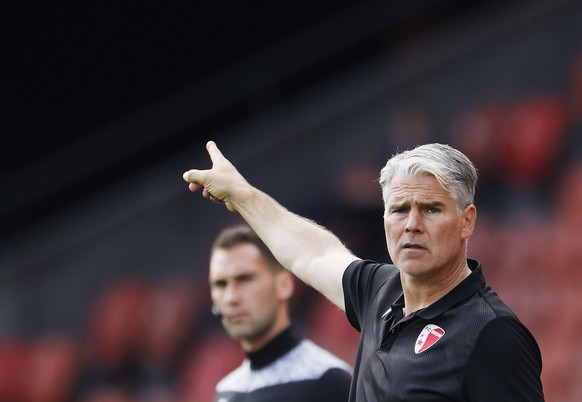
{"x": 311, "y": 252}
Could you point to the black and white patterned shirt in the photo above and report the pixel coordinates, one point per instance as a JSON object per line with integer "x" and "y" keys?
{"x": 289, "y": 368}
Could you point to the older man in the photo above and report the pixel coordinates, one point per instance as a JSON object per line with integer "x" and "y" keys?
{"x": 431, "y": 328}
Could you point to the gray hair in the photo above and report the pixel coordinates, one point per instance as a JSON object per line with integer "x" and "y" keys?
{"x": 453, "y": 170}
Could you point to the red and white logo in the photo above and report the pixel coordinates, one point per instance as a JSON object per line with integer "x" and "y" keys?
{"x": 430, "y": 335}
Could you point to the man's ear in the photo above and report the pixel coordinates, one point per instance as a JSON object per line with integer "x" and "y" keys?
{"x": 285, "y": 285}
{"x": 469, "y": 219}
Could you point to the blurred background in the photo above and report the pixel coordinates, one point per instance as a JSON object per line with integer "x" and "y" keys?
{"x": 104, "y": 251}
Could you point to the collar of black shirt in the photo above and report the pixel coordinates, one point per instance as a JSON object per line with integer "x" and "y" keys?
{"x": 464, "y": 290}
{"x": 276, "y": 348}
{"x": 460, "y": 293}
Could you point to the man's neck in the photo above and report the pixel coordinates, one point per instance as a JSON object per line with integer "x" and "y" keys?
{"x": 276, "y": 348}
{"x": 420, "y": 293}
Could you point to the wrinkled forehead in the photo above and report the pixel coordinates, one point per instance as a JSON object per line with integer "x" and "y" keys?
{"x": 409, "y": 181}
{"x": 423, "y": 186}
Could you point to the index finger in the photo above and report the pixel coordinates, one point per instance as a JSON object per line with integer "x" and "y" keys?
{"x": 213, "y": 151}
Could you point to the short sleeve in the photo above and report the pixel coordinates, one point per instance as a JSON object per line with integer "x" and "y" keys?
{"x": 361, "y": 282}
{"x": 505, "y": 365}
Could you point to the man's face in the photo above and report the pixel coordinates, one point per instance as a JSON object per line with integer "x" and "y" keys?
{"x": 246, "y": 292}
{"x": 425, "y": 234}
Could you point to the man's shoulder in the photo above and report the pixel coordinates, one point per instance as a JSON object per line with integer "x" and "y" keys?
{"x": 318, "y": 358}
{"x": 371, "y": 269}
{"x": 234, "y": 379}
{"x": 364, "y": 279}
{"x": 306, "y": 361}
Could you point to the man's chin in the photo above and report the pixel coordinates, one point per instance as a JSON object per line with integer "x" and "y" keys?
{"x": 412, "y": 267}
{"x": 238, "y": 332}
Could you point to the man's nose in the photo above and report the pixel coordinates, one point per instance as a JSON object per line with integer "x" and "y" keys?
{"x": 231, "y": 294}
{"x": 414, "y": 221}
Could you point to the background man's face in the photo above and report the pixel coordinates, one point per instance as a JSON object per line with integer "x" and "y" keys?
{"x": 244, "y": 289}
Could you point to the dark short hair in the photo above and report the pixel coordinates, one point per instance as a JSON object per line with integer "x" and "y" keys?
{"x": 243, "y": 234}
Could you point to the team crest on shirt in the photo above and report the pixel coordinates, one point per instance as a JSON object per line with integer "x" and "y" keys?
{"x": 430, "y": 335}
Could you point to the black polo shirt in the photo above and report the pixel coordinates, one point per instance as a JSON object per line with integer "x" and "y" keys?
{"x": 467, "y": 346}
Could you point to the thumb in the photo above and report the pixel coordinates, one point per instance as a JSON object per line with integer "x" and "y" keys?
{"x": 196, "y": 176}
{"x": 192, "y": 176}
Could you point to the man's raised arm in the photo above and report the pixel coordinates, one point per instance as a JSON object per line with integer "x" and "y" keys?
{"x": 311, "y": 252}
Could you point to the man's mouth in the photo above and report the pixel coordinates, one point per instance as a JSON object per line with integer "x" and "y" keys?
{"x": 413, "y": 246}
{"x": 236, "y": 316}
